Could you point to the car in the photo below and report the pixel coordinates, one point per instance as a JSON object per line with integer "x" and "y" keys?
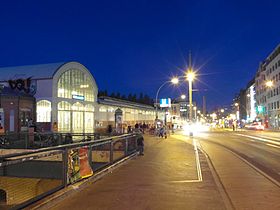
{"x": 255, "y": 126}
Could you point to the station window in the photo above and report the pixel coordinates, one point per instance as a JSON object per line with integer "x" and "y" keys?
{"x": 75, "y": 83}
{"x": 44, "y": 111}
{"x": 102, "y": 109}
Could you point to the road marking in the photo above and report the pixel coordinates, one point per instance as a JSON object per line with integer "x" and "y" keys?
{"x": 261, "y": 139}
{"x": 198, "y": 167}
{"x": 197, "y": 160}
{"x": 272, "y": 145}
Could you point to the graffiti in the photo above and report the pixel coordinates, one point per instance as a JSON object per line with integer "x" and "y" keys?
{"x": 26, "y": 85}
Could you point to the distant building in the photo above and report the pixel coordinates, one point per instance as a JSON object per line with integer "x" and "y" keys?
{"x": 268, "y": 98}
{"x": 251, "y": 101}
{"x": 17, "y": 109}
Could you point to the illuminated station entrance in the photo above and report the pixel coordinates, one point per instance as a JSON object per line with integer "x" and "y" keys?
{"x": 75, "y": 94}
{"x": 65, "y": 95}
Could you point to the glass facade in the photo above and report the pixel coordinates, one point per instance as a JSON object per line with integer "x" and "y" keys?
{"x": 44, "y": 111}
{"x": 74, "y": 83}
{"x": 75, "y": 109}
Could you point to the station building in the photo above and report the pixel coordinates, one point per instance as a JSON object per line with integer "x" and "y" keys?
{"x": 66, "y": 96}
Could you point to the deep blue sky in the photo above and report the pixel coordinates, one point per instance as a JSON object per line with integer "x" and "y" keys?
{"x": 135, "y": 46}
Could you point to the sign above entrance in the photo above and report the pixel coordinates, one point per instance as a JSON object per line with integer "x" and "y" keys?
{"x": 78, "y": 97}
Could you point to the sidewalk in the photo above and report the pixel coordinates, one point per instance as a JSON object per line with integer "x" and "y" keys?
{"x": 166, "y": 177}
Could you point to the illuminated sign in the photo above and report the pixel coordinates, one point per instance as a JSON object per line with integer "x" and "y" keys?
{"x": 165, "y": 102}
{"x": 260, "y": 109}
{"x": 78, "y": 97}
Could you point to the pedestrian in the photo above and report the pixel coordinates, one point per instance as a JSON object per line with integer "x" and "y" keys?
{"x": 140, "y": 144}
{"x": 162, "y": 132}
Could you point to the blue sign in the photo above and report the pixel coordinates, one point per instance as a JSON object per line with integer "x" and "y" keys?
{"x": 165, "y": 102}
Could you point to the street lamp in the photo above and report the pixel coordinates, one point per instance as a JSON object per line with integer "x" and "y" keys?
{"x": 174, "y": 81}
{"x": 269, "y": 83}
{"x": 183, "y": 96}
{"x": 237, "y": 112}
{"x": 190, "y": 78}
{"x": 194, "y": 108}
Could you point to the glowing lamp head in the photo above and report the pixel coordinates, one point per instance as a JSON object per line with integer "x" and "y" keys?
{"x": 236, "y": 104}
{"x": 269, "y": 83}
{"x": 183, "y": 96}
{"x": 175, "y": 80}
{"x": 190, "y": 76}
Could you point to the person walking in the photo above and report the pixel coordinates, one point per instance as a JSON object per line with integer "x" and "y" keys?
{"x": 140, "y": 144}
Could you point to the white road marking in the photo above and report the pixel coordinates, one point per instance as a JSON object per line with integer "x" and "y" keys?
{"x": 272, "y": 145}
{"x": 197, "y": 160}
{"x": 198, "y": 167}
{"x": 260, "y": 139}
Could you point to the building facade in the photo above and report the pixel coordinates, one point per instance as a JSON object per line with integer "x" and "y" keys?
{"x": 66, "y": 98}
{"x": 268, "y": 98}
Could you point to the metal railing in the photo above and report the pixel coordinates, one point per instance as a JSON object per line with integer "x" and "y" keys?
{"x": 25, "y": 140}
{"x": 27, "y": 176}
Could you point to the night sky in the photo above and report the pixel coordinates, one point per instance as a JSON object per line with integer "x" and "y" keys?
{"x": 135, "y": 46}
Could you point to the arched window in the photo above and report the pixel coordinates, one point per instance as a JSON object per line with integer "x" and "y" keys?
{"x": 89, "y": 108}
{"x": 78, "y": 106}
{"x": 75, "y": 84}
{"x": 44, "y": 111}
{"x": 102, "y": 109}
{"x": 63, "y": 105}
{"x": 111, "y": 109}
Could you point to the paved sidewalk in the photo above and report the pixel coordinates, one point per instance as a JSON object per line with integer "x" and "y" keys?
{"x": 166, "y": 177}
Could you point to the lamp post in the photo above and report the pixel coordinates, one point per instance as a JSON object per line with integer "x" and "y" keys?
{"x": 195, "y": 108}
{"x": 190, "y": 78}
{"x": 237, "y": 112}
{"x": 268, "y": 84}
{"x": 174, "y": 81}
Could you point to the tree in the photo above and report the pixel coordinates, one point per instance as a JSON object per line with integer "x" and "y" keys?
{"x": 113, "y": 95}
{"x": 129, "y": 97}
{"x": 124, "y": 97}
{"x": 141, "y": 98}
{"x": 134, "y": 98}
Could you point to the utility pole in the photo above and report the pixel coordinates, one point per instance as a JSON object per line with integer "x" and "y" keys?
{"x": 190, "y": 86}
{"x": 204, "y": 106}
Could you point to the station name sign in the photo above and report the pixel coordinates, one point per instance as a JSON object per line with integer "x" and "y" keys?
{"x": 78, "y": 97}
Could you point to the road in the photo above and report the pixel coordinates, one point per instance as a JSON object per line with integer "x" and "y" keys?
{"x": 247, "y": 164}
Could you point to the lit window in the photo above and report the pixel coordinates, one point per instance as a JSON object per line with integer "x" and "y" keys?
{"x": 44, "y": 111}
{"x": 102, "y": 109}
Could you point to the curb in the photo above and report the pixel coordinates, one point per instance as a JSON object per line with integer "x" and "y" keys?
{"x": 226, "y": 199}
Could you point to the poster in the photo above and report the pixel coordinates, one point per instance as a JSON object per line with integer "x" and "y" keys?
{"x": 73, "y": 166}
{"x": 78, "y": 165}
{"x": 85, "y": 168}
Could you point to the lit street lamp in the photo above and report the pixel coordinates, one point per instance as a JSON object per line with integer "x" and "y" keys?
{"x": 190, "y": 78}
{"x": 183, "y": 96}
{"x": 174, "y": 81}
{"x": 269, "y": 83}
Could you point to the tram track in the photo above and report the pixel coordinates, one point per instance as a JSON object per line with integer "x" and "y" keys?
{"x": 266, "y": 172}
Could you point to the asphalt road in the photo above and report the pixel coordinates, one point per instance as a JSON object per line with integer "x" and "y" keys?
{"x": 247, "y": 163}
